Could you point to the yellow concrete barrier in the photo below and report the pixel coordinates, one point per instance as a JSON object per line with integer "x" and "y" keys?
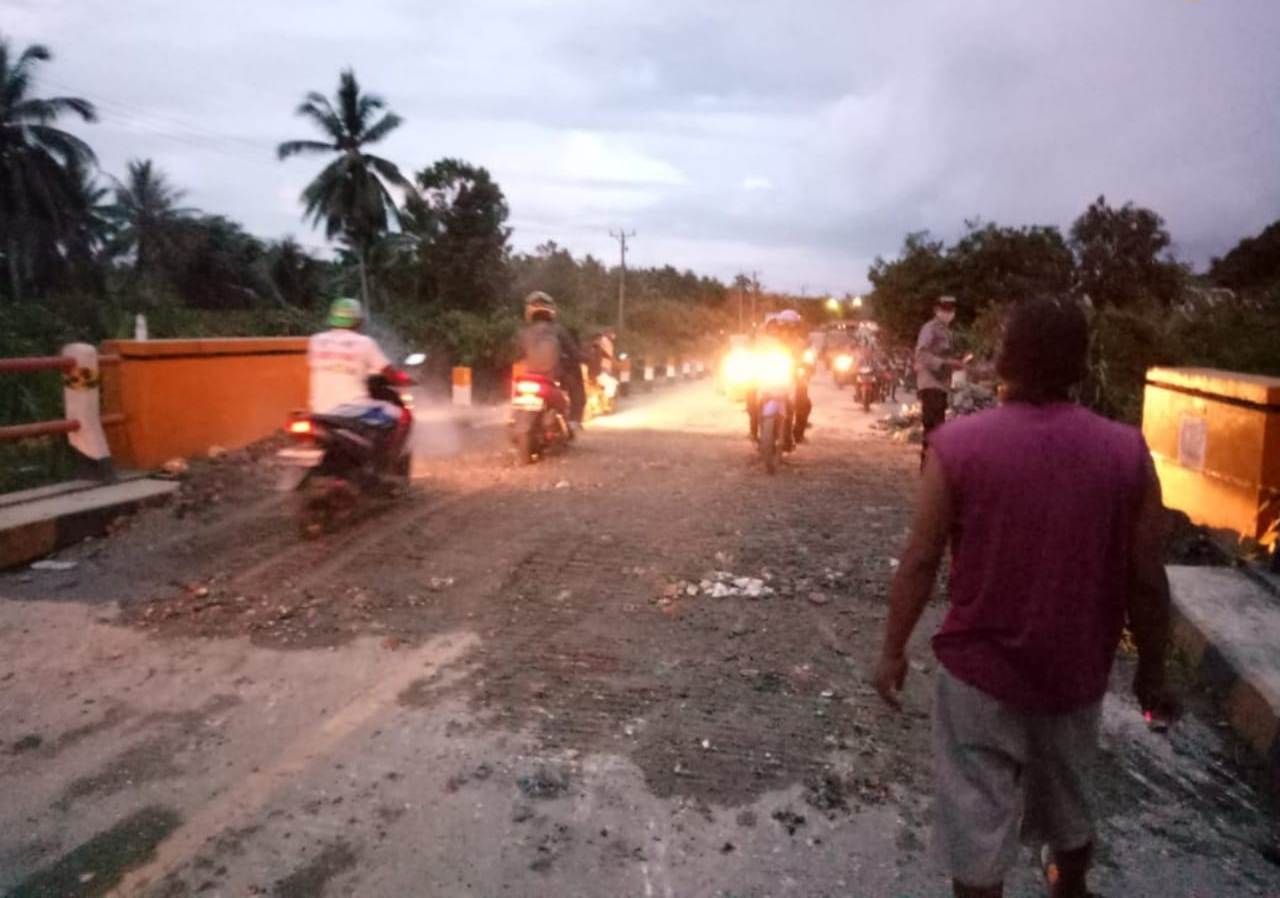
{"x": 1215, "y": 439}
{"x": 181, "y": 397}
{"x": 461, "y": 386}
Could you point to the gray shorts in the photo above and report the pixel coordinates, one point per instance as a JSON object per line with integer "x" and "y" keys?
{"x": 1000, "y": 772}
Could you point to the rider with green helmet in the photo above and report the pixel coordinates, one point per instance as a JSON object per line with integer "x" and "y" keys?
{"x": 341, "y": 359}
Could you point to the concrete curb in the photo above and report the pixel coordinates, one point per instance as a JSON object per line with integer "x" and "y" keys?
{"x": 32, "y": 530}
{"x": 1224, "y": 625}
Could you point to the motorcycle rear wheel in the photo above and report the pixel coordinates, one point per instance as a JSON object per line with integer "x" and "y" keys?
{"x": 525, "y": 452}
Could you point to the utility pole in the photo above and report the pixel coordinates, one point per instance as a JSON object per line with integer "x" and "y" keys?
{"x": 741, "y": 283}
{"x": 755, "y": 292}
{"x": 622, "y": 236}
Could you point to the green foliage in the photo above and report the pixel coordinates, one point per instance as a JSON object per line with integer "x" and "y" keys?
{"x": 992, "y": 265}
{"x": 147, "y": 210}
{"x": 350, "y": 195}
{"x": 988, "y": 267}
{"x": 906, "y": 289}
{"x": 1125, "y": 343}
{"x": 1253, "y": 264}
{"x": 478, "y": 341}
{"x": 38, "y": 162}
{"x": 457, "y": 222}
{"x": 586, "y": 291}
{"x": 1120, "y": 256}
{"x": 295, "y": 278}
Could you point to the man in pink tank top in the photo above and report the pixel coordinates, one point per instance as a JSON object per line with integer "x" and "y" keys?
{"x": 1054, "y": 519}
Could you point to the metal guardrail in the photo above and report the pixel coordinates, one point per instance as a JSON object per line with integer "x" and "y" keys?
{"x": 30, "y": 364}
{"x": 79, "y": 364}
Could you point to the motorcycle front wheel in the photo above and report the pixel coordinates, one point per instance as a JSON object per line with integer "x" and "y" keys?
{"x": 769, "y": 443}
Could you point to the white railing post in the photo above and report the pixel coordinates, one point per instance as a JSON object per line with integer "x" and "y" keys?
{"x": 82, "y": 402}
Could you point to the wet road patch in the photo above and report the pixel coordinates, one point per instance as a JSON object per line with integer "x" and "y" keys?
{"x": 96, "y": 866}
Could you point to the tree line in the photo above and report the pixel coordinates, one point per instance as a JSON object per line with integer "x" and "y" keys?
{"x": 429, "y": 251}
{"x": 1147, "y": 307}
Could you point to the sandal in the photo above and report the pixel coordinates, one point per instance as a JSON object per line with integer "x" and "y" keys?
{"x": 1051, "y": 873}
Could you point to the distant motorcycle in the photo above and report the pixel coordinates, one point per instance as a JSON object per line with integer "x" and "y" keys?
{"x": 351, "y": 453}
{"x": 842, "y": 372}
{"x": 867, "y": 386}
{"x": 602, "y": 393}
{"x": 539, "y": 417}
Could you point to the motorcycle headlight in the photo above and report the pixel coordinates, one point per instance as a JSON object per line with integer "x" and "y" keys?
{"x": 737, "y": 367}
{"x": 810, "y": 356}
{"x": 844, "y": 362}
{"x": 773, "y": 369}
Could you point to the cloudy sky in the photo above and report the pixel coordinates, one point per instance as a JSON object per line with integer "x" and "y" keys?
{"x": 799, "y": 138}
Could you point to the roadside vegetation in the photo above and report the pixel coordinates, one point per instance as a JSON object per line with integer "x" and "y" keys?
{"x": 1147, "y": 307}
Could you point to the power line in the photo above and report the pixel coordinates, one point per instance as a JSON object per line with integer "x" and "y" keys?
{"x": 169, "y": 127}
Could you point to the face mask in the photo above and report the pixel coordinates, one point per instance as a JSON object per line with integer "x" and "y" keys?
{"x": 946, "y": 317}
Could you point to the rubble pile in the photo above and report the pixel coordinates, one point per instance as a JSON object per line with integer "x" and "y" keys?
{"x": 718, "y": 585}
{"x": 972, "y": 397}
{"x": 904, "y": 425}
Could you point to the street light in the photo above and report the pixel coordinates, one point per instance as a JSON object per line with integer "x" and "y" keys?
{"x": 833, "y": 304}
{"x": 857, "y": 302}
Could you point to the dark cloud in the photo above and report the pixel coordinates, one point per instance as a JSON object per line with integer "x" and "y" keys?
{"x": 800, "y": 139}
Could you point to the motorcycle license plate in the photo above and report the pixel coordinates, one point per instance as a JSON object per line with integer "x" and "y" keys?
{"x": 301, "y": 456}
{"x": 531, "y": 403}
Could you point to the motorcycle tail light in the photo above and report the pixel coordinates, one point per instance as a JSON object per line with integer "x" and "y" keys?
{"x": 528, "y": 388}
{"x": 301, "y": 427}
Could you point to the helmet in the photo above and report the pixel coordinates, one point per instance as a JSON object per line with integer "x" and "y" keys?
{"x": 536, "y": 302}
{"x": 345, "y": 312}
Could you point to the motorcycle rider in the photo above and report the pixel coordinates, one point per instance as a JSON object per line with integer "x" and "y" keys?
{"x": 771, "y": 338}
{"x": 549, "y": 350}
{"x": 793, "y": 334}
{"x": 341, "y": 359}
{"x": 600, "y": 363}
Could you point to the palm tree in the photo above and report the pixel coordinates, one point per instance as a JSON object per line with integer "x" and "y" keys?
{"x": 146, "y": 204}
{"x": 349, "y": 195}
{"x": 97, "y": 220}
{"x": 36, "y": 193}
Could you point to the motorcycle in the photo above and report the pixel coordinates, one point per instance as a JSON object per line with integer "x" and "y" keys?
{"x": 356, "y": 451}
{"x": 867, "y": 387}
{"x": 602, "y": 393}
{"x": 842, "y": 370}
{"x": 539, "y": 417}
{"x": 775, "y": 385}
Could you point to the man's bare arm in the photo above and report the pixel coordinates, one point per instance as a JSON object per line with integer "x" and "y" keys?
{"x": 916, "y": 575}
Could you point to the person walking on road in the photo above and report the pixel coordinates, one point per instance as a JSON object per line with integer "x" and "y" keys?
{"x": 1054, "y": 519}
{"x": 934, "y": 366}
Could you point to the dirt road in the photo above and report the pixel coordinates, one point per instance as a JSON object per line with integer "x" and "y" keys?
{"x": 636, "y": 670}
